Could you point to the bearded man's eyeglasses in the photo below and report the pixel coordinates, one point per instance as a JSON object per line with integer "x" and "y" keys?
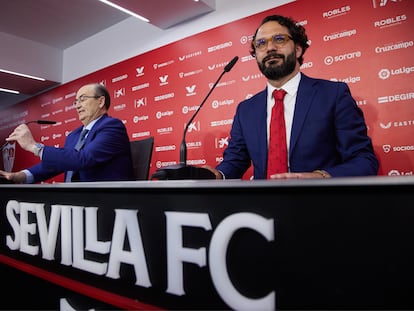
{"x": 277, "y": 40}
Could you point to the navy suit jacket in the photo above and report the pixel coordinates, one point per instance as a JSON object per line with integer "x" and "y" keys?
{"x": 328, "y": 133}
{"x": 105, "y": 156}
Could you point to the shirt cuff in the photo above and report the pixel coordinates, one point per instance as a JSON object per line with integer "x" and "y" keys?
{"x": 29, "y": 177}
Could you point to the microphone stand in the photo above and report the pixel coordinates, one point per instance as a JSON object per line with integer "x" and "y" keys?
{"x": 183, "y": 146}
{"x": 182, "y": 170}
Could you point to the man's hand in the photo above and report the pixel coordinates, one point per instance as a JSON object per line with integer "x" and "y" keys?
{"x": 314, "y": 174}
{"x": 214, "y": 171}
{"x": 24, "y": 137}
{"x": 17, "y": 178}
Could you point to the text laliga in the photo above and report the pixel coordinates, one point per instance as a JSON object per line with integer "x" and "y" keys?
{"x": 74, "y": 241}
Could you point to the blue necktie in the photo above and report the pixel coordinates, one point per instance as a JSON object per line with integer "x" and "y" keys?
{"x": 78, "y": 146}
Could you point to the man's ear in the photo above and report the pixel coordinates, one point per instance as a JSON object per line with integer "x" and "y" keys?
{"x": 298, "y": 51}
{"x": 102, "y": 103}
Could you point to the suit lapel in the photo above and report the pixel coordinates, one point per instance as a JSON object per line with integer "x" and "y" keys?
{"x": 258, "y": 128}
{"x": 306, "y": 93}
{"x": 95, "y": 128}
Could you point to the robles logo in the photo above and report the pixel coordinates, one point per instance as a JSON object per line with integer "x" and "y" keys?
{"x": 337, "y": 12}
{"x": 390, "y": 21}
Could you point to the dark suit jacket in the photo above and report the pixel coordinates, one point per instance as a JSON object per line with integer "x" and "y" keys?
{"x": 328, "y": 133}
{"x": 105, "y": 156}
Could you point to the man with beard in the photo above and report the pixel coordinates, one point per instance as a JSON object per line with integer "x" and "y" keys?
{"x": 323, "y": 132}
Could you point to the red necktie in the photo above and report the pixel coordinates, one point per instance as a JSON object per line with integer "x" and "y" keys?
{"x": 277, "y": 150}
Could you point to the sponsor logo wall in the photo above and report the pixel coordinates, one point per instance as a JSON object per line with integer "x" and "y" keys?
{"x": 368, "y": 44}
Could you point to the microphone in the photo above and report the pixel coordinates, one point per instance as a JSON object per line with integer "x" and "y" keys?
{"x": 182, "y": 170}
{"x": 29, "y": 122}
{"x": 230, "y": 65}
{"x": 41, "y": 122}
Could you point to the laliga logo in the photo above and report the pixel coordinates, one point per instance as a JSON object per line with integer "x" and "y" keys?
{"x": 384, "y": 74}
{"x": 9, "y": 152}
{"x": 394, "y": 173}
{"x": 246, "y": 39}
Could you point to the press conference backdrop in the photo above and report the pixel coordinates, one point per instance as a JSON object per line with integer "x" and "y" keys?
{"x": 367, "y": 44}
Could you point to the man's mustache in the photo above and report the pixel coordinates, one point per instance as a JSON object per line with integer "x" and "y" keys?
{"x": 273, "y": 55}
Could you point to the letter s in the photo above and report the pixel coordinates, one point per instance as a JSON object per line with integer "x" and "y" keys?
{"x": 12, "y": 208}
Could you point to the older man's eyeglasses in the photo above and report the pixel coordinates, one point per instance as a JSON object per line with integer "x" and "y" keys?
{"x": 277, "y": 40}
{"x": 82, "y": 98}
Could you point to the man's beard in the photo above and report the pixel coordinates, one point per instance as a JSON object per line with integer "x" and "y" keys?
{"x": 276, "y": 72}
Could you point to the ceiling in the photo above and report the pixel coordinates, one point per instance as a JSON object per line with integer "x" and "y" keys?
{"x": 61, "y": 24}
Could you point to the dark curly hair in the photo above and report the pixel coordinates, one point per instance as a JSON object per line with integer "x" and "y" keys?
{"x": 296, "y": 31}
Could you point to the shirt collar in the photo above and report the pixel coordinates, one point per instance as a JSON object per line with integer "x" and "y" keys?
{"x": 90, "y": 125}
{"x": 291, "y": 87}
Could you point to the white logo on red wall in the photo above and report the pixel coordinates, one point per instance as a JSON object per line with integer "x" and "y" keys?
{"x": 383, "y": 3}
{"x": 9, "y": 152}
{"x": 329, "y": 60}
{"x": 190, "y": 90}
{"x": 140, "y": 71}
{"x": 385, "y": 125}
{"x": 120, "y": 92}
{"x": 140, "y": 102}
{"x": 399, "y": 173}
{"x": 194, "y": 126}
{"x": 163, "y": 80}
{"x": 222, "y": 142}
{"x": 385, "y": 73}
{"x": 386, "y": 148}
{"x": 119, "y": 107}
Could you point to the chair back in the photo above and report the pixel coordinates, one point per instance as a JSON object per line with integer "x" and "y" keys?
{"x": 141, "y": 152}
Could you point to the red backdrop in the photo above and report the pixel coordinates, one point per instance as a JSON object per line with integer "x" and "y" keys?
{"x": 368, "y": 44}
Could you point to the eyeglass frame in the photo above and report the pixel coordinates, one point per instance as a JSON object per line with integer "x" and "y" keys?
{"x": 265, "y": 41}
{"x": 82, "y": 98}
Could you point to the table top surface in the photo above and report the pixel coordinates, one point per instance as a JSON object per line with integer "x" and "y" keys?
{"x": 328, "y": 182}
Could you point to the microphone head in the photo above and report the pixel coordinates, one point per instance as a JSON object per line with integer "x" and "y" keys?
{"x": 230, "y": 65}
{"x": 45, "y": 122}
{"x": 40, "y": 122}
